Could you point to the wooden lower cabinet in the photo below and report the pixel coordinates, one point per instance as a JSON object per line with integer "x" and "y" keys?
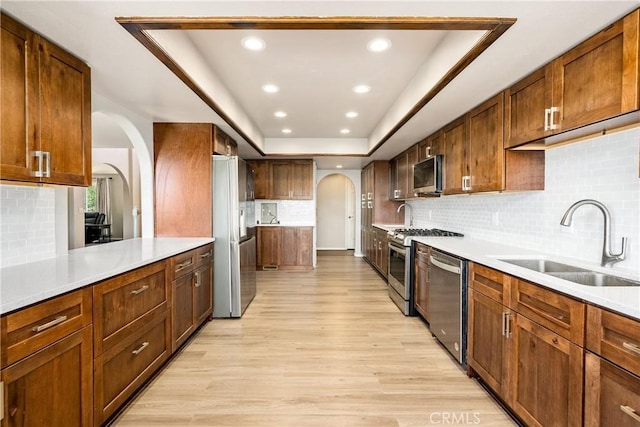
{"x": 285, "y": 248}
{"x": 421, "y": 280}
{"x": 546, "y": 376}
{"x": 52, "y": 387}
{"x": 612, "y": 394}
{"x": 203, "y": 294}
{"x": 182, "y": 310}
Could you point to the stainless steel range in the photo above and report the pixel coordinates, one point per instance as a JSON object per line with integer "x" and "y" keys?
{"x": 401, "y": 264}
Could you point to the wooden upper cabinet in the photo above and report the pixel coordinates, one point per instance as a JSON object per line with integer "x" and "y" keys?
{"x": 280, "y": 179}
{"x": 261, "y": 178}
{"x": 526, "y": 101}
{"x": 223, "y": 144}
{"x": 46, "y": 110}
{"x": 431, "y": 146}
{"x": 301, "y": 179}
{"x": 454, "y": 138}
{"x": 594, "y": 81}
{"x": 485, "y": 152}
{"x": 401, "y": 178}
{"x": 598, "y": 78}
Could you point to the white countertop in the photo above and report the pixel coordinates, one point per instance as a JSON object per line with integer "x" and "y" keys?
{"x": 388, "y": 227}
{"x": 623, "y": 299}
{"x": 25, "y": 284}
{"x": 288, "y": 224}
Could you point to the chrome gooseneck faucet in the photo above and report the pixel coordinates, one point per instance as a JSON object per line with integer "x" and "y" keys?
{"x": 405, "y": 206}
{"x": 608, "y": 259}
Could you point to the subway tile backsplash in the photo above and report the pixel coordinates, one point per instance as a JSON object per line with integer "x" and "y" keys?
{"x": 291, "y": 212}
{"x": 27, "y": 224}
{"x": 604, "y": 168}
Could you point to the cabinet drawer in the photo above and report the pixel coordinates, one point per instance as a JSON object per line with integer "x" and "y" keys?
{"x": 182, "y": 264}
{"x": 422, "y": 252}
{"x": 612, "y": 395}
{"x": 121, "y": 302}
{"x": 489, "y": 282}
{"x": 614, "y": 337}
{"x": 204, "y": 255}
{"x": 563, "y": 315}
{"x": 122, "y": 369}
{"x": 28, "y": 330}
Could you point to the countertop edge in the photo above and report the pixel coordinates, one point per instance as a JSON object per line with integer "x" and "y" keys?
{"x": 79, "y": 275}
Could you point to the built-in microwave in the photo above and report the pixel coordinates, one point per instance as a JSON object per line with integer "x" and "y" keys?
{"x": 427, "y": 175}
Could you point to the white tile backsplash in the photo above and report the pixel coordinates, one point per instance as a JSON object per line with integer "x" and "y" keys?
{"x": 292, "y": 212}
{"x": 27, "y": 224}
{"x": 604, "y": 168}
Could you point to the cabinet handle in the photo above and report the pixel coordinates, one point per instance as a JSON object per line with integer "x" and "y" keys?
{"x": 504, "y": 324}
{"x": 1, "y": 400}
{"x": 138, "y": 350}
{"x": 630, "y": 411}
{"x": 631, "y": 347}
{"x": 547, "y": 112}
{"x": 206, "y": 255}
{"x": 362, "y": 205}
{"x": 197, "y": 285}
{"x": 47, "y": 158}
{"x": 139, "y": 290}
{"x": 552, "y": 125}
{"x": 183, "y": 265}
{"x": 380, "y": 245}
{"x": 38, "y": 155}
{"x": 369, "y": 196}
{"x": 428, "y": 151}
{"x": 507, "y": 325}
{"x": 48, "y": 325}
{"x": 466, "y": 183}
{"x": 362, "y": 196}
{"x": 370, "y": 205}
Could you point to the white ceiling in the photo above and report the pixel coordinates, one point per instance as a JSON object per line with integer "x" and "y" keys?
{"x": 124, "y": 72}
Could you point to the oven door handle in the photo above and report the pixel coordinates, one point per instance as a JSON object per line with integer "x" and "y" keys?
{"x": 397, "y": 249}
{"x": 443, "y": 266}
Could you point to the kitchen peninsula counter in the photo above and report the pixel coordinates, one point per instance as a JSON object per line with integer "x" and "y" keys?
{"x": 25, "y": 284}
{"x": 623, "y": 299}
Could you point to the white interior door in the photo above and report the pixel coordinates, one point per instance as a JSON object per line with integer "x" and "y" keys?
{"x": 332, "y": 213}
{"x": 350, "y": 232}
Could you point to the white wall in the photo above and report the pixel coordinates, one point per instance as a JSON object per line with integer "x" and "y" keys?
{"x": 354, "y": 176}
{"x": 603, "y": 168}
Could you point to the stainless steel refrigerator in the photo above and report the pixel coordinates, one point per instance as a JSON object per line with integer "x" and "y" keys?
{"x": 235, "y": 245}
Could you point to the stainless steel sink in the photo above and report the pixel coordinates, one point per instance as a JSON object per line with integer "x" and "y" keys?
{"x": 544, "y": 265}
{"x": 573, "y": 274}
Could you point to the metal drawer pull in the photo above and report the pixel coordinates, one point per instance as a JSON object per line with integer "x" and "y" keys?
{"x": 48, "y": 325}
{"x": 138, "y": 350}
{"x": 508, "y": 333}
{"x": 504, "y": 324}
{"x": 631, "y": 347}
{"x": 207, "y": 255}
{"x": 183, "y": 265}
{"x": 140, "y": 290}
{"x": 631, "y": 412}
{"x": 197, "y": 279}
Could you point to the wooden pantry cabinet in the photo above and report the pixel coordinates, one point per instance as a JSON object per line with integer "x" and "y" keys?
{"x": 594, "y": 81}
{"x": 46, "y": 110}
{"x": 526, "y": 343}
{"x": 47, "y": 363}
{"x": 284, "y": 248}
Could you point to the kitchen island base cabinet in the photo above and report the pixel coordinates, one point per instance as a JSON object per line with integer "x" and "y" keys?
{"x": 285, "y": 248}
{"x": 52, "y": 387}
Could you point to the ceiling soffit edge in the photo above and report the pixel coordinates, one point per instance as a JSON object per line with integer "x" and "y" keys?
{"x": 138, "y": 27}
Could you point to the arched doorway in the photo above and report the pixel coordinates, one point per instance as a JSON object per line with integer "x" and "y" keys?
{"x": 336, "y": 213}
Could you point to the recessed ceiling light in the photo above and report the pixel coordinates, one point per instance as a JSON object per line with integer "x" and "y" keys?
{"x": 338, "y": 166}
{"x": 280, "y": 114}
{"x": 253, "y": 43}
{"x": 378, "y": 45}
{"x": 361, "y": 89}
{"x": 286, "y": 130}
{"x": 351, "y": 114}
{"x": 270, "y": 88}
{"x": 344, "y": 131}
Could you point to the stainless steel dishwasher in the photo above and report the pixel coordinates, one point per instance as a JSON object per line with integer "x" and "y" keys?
{"x": 448, "y": 302}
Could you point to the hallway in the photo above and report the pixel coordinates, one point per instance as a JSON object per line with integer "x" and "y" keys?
{"x": 320, "y": 348}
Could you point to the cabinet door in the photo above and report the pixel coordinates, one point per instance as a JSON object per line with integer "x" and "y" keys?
{"x": 421, "y": 281}
{"x": 454, "y": 158}
{"x": 485, "y": 154}
{"x": 526, "y": 102}
{"x": 65, "y": 115}
{"x": 402, "y": 170}
{"x": 612, "y": 395}
{"x": 19, "y": 102}
{"x": 487, "y": 346}
{"x": 182, "y": 310}
{"x": 269, "y": 246}
{"x": 431, "y": 146}
{"x": 546, "y": 385}
{"x": 383, "y": 243}
{"x": 598, "y": 78}
{"x": 260, "y": 178}
{"x": 280, "y": 177}
{"x": 301, "y": 180}
{"x": 304, "y": 246}
{"x": 289, "y": 247}
{"x": 394, "y": 189}
{"x": 203, "y": 294}
{"x": 52, "y": 387}
{"x": 412, "y": 159}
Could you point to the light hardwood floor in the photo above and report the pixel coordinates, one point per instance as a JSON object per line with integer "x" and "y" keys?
{"x": 323, "y": 348}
